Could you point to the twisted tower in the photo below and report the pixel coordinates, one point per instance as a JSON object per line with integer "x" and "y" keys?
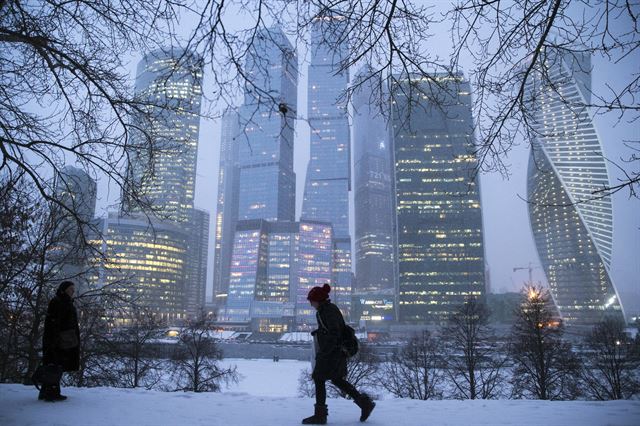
{"x": 571, "y": 218}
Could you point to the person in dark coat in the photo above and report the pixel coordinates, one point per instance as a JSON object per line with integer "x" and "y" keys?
{"x": 61, "y": 338}
{"x": 330, "y": 358}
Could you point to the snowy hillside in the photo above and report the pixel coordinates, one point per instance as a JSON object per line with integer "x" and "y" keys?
{"x": 108, "y": 406}
{"x": 266, "y": 396}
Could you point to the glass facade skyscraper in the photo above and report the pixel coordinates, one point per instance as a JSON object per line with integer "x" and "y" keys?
{"x": 159, "y": 260}
{"x": 315, "y": 267}
{"x": 262, "y": 265}
{"x": 74, "y": 225}
{"x": 375, "y": 289}
{"x": 274, "y": 265}
{"x": 572, "y": 223}
{"x": 145, "y": 263}
{"x": 328, "y": 179}
{"x": 267, "y": 117}
{"x": 439, "y": 220}
{"x": 196, "y": 263}
{"x": 170, "y": 83}
{"x": 227, "y": 205}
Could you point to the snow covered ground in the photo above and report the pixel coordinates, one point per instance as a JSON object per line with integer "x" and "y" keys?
{"x": 263, "y": 377}
{"x": 266, "y": 396}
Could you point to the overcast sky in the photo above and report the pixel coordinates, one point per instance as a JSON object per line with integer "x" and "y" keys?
{"x": 507, "y": 233}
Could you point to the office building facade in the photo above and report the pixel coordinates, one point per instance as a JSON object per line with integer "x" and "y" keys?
{"x": 169, "y": 82}
{"x": 328, "y": 179}
{"x": 227, "y": 205}
{"x": 571, "y": 221}
{"x": 375, "y": 288}
{"x": 439, "y": 219}
{"x": 274, "y": 265}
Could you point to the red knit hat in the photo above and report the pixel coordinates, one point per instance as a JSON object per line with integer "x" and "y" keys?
{"x": 319, "y": 294}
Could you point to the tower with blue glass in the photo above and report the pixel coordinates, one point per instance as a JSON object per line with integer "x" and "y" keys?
{"x": 328, "y": 179}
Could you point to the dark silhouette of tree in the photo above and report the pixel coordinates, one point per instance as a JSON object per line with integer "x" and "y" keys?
{"x": 474, "y": 362}
{"x": 66, "y": 98}
{"x": 611, "y": 362}
{"x": 196, "y": 359}
{"x": 416, "y": 371}
{"x": 511, "y": 43}
{"x": 545, "y": 366}
{"x": 36, "y": 244}
{"x": 125, "y": 356}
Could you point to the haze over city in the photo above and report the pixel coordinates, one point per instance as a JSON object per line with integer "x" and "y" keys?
{"x": 507, "y": 233}
{"x": 319, "y": 212}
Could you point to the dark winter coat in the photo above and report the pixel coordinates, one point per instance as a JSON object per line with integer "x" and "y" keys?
{"x": 331, "y": 362}
{"x": 61, "y": 316}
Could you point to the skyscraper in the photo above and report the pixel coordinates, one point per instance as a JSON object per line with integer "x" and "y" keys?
{"x": 439, "y": 220}
{"x": 146, "y": 263}
{"x": 158, "y": 261}
{"x": 267, "y": 118}
{"x": 572, "y": 223}
{"x": 274, "y": 263}
{"x": 328, "y": 180}
{"x": 227, "y": 206}
{"x": 262, "y": 264}
{"x": 195, "y": 283}
{"x": 76, "y": 191}
{"x": 170, "y": 83}
{"x": 374, "y": 292}
{"x": 74, "y": 225}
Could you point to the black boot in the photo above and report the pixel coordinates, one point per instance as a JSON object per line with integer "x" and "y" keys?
{"x": 58, "y": 395}
{"x": 319, "y": 416}
{"x": 48, "y": 393}
{"x": 366, "y": 406}
{"x": 41, "y": 393}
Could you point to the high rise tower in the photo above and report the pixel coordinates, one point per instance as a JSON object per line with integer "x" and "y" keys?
{"x": 374, "y": 293}
{"x": 74, "y": 225}
{"x": 227, "y": 206}
{"x": 261, "y": 274}
{"x": 439, "y": 220}
{"x": 158, "y": 260}
{"x": 572, "y": 223}
{"x": 170, "y": 83}
{"x": 267, "y": 118}
{"x": 328, "y": 180}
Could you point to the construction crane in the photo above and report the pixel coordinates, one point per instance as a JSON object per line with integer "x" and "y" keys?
{"x": 530, "y": 268}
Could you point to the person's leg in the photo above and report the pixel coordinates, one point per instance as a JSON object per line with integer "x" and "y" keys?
{"x": 59, "y": 396}
{"x": 321, "y": 391}
{"x": 346, "y": 387}
{"x": 362, "y": 400}
{"x": 49, "y": 393}
{"x": 320, "y": 409}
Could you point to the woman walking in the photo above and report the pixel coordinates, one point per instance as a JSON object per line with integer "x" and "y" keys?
{"x": 331, "y": 360}
{"x": 61, "y": 339}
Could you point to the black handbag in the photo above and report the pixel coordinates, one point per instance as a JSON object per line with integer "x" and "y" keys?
{"x": 46, "y": 375}
{"x": 68, "y": 339}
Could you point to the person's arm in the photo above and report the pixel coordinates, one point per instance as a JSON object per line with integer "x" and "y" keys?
{"x": 332, "y": 321}
{"x": 51, "y": 328}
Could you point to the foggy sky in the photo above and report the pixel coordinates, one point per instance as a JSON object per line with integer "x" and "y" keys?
{"x": 507, "y": 234}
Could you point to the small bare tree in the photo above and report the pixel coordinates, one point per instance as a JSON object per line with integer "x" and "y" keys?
{"x": 415, "y": 372}
{"x": 38, "y": 246}
{"x": 129, "y": 352}
{"x": 196, "y": 359}
{"x": 474, "y": 362}
{"x": 545, "y": 366}
{"x": 612, "y": 363}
